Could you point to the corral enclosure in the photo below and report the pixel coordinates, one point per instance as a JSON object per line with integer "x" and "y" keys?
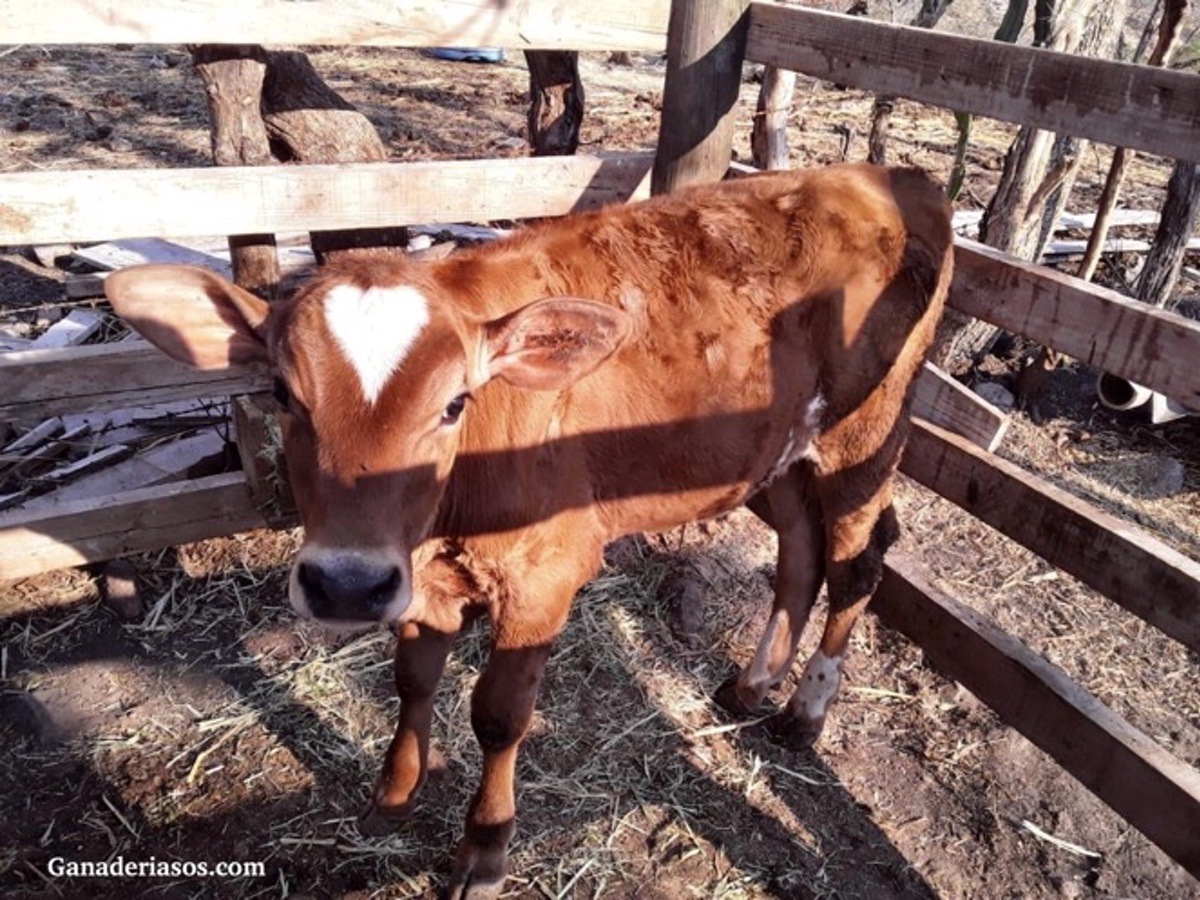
{"x": 218, "y": 722}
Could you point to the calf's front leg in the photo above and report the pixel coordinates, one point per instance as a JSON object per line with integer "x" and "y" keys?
{"x": 421, "y": 654}
{"x": 501, "y": 710}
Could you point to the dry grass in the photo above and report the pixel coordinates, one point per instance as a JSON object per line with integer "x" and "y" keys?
{"x": 261, "y": 736}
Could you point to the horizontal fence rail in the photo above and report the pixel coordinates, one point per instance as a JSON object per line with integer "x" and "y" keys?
{"x": 35, "y": 384}
{"x": 528, "y": 25}
{"x": 81, "y": 205}
{"x": 1123, "y": 562}
{"x": 1155, "y": 792}
{"x": 107, "y": 527}
{"x": 1092, "y": 323}
{"x": 1143, "y": 108}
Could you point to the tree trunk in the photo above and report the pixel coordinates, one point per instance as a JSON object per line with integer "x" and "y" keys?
{"x": 308, "y": 122}
{"x": 233, "y": 80}
{"x": 1040, "y": 167}
{"x": 768, "y": 139}
{"x": 1175, "y": 227}
{"x": 927, "y": 16}
{"x": 555, "y": 102}
{"x": 1168, "y": 36}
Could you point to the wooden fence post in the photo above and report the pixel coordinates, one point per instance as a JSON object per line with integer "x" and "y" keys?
{"x": 706, "y": 43}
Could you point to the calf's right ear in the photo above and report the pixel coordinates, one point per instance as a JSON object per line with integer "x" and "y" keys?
{"x": 191, "y": 314}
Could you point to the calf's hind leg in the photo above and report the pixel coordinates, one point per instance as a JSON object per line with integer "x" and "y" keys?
{"x": 789, "y": 506}
{"x": 858, "y": 539}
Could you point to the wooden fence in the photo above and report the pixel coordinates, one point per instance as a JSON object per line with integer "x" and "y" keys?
{"x": 1147, "y": 109}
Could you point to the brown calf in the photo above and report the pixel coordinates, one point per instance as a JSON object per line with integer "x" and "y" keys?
{"x": 466, "y": 435}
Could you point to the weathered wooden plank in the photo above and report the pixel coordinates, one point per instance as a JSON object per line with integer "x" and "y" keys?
{"x": 1155, "y": 792}
{"x": 73, "y": 329}
{"x": 955, "y": 407}
{"x": 529, "y": 25}
{"x": 27, "y": 462}
{"x": 1123, "y": 562}
{"x": 140, "y": 251}
{"x": 1149, "y": 109}
{"x": 82, "y": 205}
{"x": 1092, "y": 323}
{"x": 1059, "y": 248}
{"x": 107, "y": 527}
{"x": 40, "y": 383}
{"x": 88, "y": 464}
{"x": 705, "y": 47}
{"x": 35, "y": 436}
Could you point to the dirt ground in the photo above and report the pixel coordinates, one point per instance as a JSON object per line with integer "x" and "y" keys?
{"x": 217, "y": 727}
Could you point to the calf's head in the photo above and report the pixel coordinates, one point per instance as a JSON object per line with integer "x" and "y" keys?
{"x": 376, "y": 367}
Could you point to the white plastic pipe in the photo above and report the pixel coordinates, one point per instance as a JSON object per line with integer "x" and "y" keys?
{"x": 1121, "y": 394}
{"x": 1164, "y": 409}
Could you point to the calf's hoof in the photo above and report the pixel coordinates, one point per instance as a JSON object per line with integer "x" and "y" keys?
{"x": 481, "y": 861}
{"x": 474, "y": 887}
{"x": 793, "y": 731}
{"x": 730, "y": 699}
{"x": 377, "y": 820}
{"x": 478, "y": 874}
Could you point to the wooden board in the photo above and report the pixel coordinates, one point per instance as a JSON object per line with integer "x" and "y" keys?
{"x": 139, "y": 251}
{"x": 531, "y": 24}
{"x": 1060, "y": 248}
{"x": 73, "y": 329}
{"x": 1123, "y": 562}
{"x": 705, "y": 47}
{"x": 1155, "y": 792}
{"x": 1119, "y": 218}
{"x": 1149, "y": 109}
{"x": 35, "y": 384}
{"x": 108, "y": 527}
{"x": 1092, "y": 323}
{"x": 953, "y": 406}
{"x": 79, "y": 205}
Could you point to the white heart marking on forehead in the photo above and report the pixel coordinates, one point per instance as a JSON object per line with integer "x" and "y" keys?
{"x": 375, "y": 329}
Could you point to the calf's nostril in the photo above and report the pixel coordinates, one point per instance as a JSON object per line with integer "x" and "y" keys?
{"x": 349, "y": 589}
{"x": 383, "y": 592}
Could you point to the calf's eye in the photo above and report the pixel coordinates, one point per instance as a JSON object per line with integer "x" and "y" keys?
{"x": 454, "y": 410}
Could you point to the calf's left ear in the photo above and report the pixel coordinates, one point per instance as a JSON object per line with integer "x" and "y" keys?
{"x": 550, "y": 344}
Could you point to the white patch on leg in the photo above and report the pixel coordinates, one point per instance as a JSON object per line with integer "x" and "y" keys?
{"x": 818, "y": 687}
{"x": 375, "y": 329}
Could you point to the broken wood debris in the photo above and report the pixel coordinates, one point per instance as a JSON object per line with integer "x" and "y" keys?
{"x": 138, "y": 251}
{"x": 89, "y": 463}
{"x": 25, "y": 460}
{"x": 967, "y": 221}
{"x": 70, "y": 331}
{"x": 83, "y": 457}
